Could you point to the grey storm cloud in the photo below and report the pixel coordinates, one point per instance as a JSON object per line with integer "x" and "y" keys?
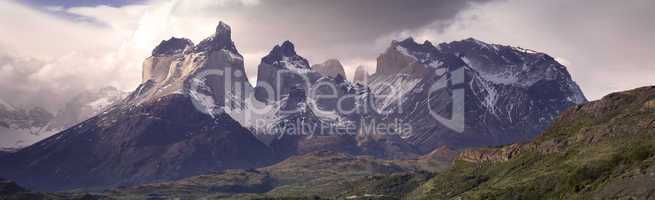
{"x": 342, "y": 29}
{"x": 317, "y": 24}
{"x": 348, "y": 21}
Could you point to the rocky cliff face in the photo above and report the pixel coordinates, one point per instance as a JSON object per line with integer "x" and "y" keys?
{"x": 156, "y": 68}
{"x": 331, "y": 68}
{"x": 361, "y": 74}
{"x": 317, "y": 111}
{"x": 483, "y": 94}
{"x": 281, "y": 70}
{"x": 23, "y": 127}
{"x": 214, "y": 64}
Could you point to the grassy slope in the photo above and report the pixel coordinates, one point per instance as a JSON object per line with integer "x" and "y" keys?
{"x": 210, "y": 186}
{"x": 603, "y": 149}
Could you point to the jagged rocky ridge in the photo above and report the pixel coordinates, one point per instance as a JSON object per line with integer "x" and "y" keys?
{"x": 486, "y": 94}
{"x": 331, "y": 68}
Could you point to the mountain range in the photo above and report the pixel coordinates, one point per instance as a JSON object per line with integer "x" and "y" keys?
{"x": 195, "y": 113}
{"x": 21, "y": 126}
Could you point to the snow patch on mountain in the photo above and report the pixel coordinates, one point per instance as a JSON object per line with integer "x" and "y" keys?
{"x": 404, "y": 51}
{"x": 506, "y": 90}
{"x": 207, "y": 103}
{"x": 488, "y": 93}
{"x": 506, "y": 77}
{"x": 390, "y": 90}
{"x": 294, "y": 65}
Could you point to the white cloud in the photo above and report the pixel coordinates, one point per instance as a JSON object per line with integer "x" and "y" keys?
{"x": 71, "y": 55}
{"x": 68, "y": 56}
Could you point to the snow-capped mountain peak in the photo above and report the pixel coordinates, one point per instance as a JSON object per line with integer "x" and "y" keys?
{"x": 515, "y": 66}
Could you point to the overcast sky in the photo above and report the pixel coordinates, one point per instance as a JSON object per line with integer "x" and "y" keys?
{"x": 58, "y": 48}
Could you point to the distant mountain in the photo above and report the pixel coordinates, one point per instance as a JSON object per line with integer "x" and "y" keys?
{"x": 361, "y": 74}
{"x": 331, "y": 68}
{"x": 33, "y": 119}
{"x": 5, "y": 106}
{"x": 20, "y": 127}
{"x": 84, "y": 106}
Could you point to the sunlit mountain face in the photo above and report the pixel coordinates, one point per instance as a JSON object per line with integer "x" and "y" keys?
{"x": 261, "y": 99}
